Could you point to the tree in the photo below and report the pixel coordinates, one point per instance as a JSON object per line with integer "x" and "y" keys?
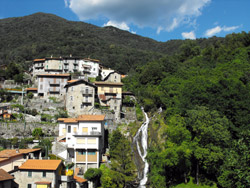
{"x": 121, "y": 157}
{"x": 94, "y": 175}
{"x": 37, "y": 133}
{"x": 210, "y": 137}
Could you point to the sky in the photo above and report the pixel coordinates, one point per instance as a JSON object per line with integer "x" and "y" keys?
{"x": 161, "y": 20}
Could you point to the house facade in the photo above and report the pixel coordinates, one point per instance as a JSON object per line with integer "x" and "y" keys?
{"x": 11, "y": 159}
{"x": 84, "y": 140}
{"x": 39, "y": 174}
{"x": 89, "y": 67}
{"x": 52, "y": 85}
{"x": 110, "y": 95}
{"x": 80, "y": 97}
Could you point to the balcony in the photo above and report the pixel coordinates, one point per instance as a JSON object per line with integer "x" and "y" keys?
{"x": 65, "y": 178}
{"x": 54, "y": 82}
{"x": 54, "y": 90}
{"x": 91, "y": 133}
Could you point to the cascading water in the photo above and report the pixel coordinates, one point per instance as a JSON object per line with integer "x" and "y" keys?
{"x": 144, "y": 146}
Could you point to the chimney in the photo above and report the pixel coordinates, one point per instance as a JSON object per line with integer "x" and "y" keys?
{"x": 17, "y": 150}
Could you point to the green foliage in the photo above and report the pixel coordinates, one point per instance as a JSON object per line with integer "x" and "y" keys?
{"x": 5, "y": 96}
{"x": 30, "y": 95}
{"x": 121, "y": 157}
{"x": 53, "y": 99}
{"x": 139, "y": 113}
{"x": 46, "y": 118}
{"x": 19, "y": 106}
{"x": 37, "y": 133}
{"x": 94, "y": 175}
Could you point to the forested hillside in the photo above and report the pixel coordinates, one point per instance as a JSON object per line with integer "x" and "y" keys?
{"x": 42, "y": 35}
{"x": 205, "y": 96}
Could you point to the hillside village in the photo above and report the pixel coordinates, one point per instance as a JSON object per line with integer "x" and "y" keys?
{"x": 89, "y": 97}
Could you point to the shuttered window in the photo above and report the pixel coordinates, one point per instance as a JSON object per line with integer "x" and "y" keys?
{"x": 85, "y": 129}
{"x": 80, "y": 141}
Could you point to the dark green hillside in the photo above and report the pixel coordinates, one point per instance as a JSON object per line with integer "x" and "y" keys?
{"x": 203, "y": 132}
{"x": 42, "y": 35}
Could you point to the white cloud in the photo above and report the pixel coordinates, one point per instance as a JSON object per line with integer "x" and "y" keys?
{"x": 121, "y": 25}
{"x": 66, "y": 2}
{"x": 218, "y": 29}
{"x": 188, "y": 35}
{"x": 165, "y": 14}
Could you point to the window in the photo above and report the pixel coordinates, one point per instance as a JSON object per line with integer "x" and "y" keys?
{"x": 91, "y": 152}
{"x": 44, "y": 174}
{"x": 29, "y": 186}
{"x": 29, "y": 173}
{"x": 80, "y": 141}
{"x": 72, "y": 88}
{"x": 41, "y": 79}
{"x": 75, "y": 129}
{"x": 85, "y": 129}
{"x": 15, "y": 167}
{"x": 94, "y": 128}
{"x": 81, "y": 152}
{"x": 91, "y": 140}
{"x": 41, "y": 86}
{"x": 69, "y": 129}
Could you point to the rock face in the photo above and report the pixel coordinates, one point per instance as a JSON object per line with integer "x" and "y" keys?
{"x": 30, "y": 118}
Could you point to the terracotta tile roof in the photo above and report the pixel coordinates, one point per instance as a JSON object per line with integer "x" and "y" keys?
{"x": 91, "y": 117}
{"x": 70, "y": 120}
{"x": 54, "y": 75}
{"x": 83, "y": 118}
{"x": 39, "y": 59}
{"x": 43, "y": 183}
{"x": 7, "y": 153}
{"x": 5, "y": 175}
{"x": 36, "y": 164}
{"x": 31, "y": 89}
{"x": 61, "y": 119}
{"x": 25, "y": 151}
{"x": 71, "y": 81}
{"x": 109, "y": 83}
{"x": 80, "y": 180}
{"x": 102, "y": 97}
{"x": 3, "y": 159}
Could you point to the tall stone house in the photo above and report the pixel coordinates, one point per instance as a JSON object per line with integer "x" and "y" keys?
{"x": 83, "y": 138}
{"x": 80, "y": 97}
{"x": 52, "y": 85}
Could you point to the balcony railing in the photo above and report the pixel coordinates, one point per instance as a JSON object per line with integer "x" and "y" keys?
{"x": 54, "y": 90}
{"x": 66, "y": 178}
{"x": 87, "y": 91}
{"x": 57, "y": 82}
{"x": 88, "y": 133}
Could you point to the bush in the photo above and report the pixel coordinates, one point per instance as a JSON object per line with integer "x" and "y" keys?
{"x": 30, "y": 95}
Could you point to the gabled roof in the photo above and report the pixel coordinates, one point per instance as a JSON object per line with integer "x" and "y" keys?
{"x": 36, "y": 164}
{"x": 5, "y": 175}
{"x": 80, "y": 81}
{"x": 110, "y": 74}
{"x": 83, "y": 118}
{"x": 7, "y": 153}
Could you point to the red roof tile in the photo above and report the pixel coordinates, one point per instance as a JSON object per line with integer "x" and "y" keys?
{"x": 5, "y": 175}
{"x": 36, "y": 164}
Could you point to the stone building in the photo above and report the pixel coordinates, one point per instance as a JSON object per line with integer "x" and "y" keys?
{"x": 80, "y": 97}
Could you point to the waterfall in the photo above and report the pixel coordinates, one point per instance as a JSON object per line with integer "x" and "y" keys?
{"x": 142, "y": 151}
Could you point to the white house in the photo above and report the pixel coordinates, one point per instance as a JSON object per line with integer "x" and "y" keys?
{"x": 89, "y": 67}
{"x": 84, "y": 138}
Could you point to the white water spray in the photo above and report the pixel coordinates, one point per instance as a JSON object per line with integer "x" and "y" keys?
{"x": 144, "y": 144}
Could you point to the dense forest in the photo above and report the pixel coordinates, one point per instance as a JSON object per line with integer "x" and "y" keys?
{"x": 203, "y": 133}
{"x": 202, "y": 86}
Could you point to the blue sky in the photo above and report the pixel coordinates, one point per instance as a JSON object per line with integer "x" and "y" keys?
{"x": 161, "y": 20}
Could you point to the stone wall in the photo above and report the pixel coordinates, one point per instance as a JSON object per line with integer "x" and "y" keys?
{"x": 21, "y": 130}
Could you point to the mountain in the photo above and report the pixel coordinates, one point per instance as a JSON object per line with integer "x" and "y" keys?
{"x": 41, "y": 35}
